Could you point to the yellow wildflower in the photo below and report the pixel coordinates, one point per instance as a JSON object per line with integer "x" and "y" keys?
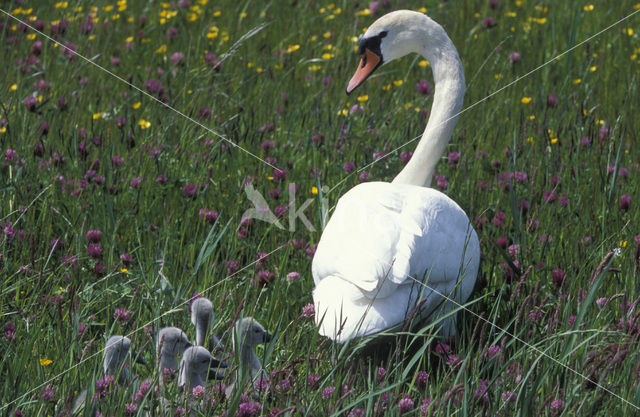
{"x": 423, "y": 63}
{"x": 363, "y": 98}
{"x": 526, "y": 100}
{"x": 45, "y": 362}
{"x": 144, "y": 124}
{"x": 96, "y": 116}
{"x": 136, "y": 105}
{"x": 314, "y": 190}
{"x": 397, "y": 83}
{"x": 13, "y": 87}
{"x": 588, "y": 8}
{"x": 162, "y": 49}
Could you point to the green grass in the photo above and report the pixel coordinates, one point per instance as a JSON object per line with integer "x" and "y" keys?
{"x": 277, "y": 76}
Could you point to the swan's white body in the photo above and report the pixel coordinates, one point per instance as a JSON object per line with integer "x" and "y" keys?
{"x": 388, "y": 246}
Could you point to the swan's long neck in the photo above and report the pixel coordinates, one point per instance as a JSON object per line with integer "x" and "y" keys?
{"x": 447, "y": 101}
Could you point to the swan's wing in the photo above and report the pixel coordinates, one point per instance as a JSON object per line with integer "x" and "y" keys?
{"x": 370, "y": 239}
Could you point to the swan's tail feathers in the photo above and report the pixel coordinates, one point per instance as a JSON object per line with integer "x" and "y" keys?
{"x": 343, "y": 312}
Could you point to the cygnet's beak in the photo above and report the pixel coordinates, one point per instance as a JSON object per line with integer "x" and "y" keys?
{"x": 215, "y": 374}
{"x": 217, "y": 363}
{"x": 368, "y": 63}
{"x": 187, "y": 345}
{"x": 267, "y": 337}
{"x": 138, "y": 358}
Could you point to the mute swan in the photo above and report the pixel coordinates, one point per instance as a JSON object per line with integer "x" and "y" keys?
{"x": 202, "y": 317}
{"x": 247, "y": 335}
{"x": 115, "y": 362}
{"x": 382, "y": 237}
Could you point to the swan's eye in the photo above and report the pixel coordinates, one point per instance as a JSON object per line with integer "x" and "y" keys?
{"x": 382, "y": 34}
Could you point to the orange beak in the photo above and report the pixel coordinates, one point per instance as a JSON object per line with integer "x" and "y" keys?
{"x": 368, "y": 63}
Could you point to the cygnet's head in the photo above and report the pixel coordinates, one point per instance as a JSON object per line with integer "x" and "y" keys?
{"x": 393, "y": 36}
{"x": 250, "y": 333}
{"x": 116, "y": 357}
{"x": 202, "y": 317}
{"x": 196, "y": 366}
{"x": 171, "y": 342}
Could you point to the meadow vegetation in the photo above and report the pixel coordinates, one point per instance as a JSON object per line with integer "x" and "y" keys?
{"x": 120, "y": 204}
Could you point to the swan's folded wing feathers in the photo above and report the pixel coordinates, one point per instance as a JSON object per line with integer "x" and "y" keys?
{"x": 371, "y": 237}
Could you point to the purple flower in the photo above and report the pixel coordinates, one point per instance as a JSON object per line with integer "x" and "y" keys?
{"x": 130, "y": 409}
{"x": 453, "y": 158}
{"x": 405, "y": 405}
{"x": 9, "y": 331}
{"x": 328, "y": 392}
{"x": 69, "y": 50}
{"x": 558, "y": 276}
{"x": 177, "y": 58}
{"x": 381, "y": 374}
{"x": 552, "y": 101}
{"x": 424, "y": 408}
{"x": 421, "y": 379}
{"x": 308, "y": 310}
{"x": 135, "y": 181}
{"x": 493, "y": 351}
{"x": 549, "y": 196}
{"x": 502, "y": 242}
{"x": 94, "y": 236}
{"x": 424, "y": 87}
{"x": 210, "y": 216}
{"x": 94, "y": 250}
{"x": 198, "y": 392}
{"x": 405, "y": 157}
{"x": 267, "y": 127}
{"x": 625, "y": 202}
{"x": 264, "y": 277}
{"x": 349, "y": 166}
{"x": 488, "y": 22}
{"x": 249, "y": 409}
{"x": 117, "y": 161}
{"x": 312, "y": 381}
{"x": 557, "y": 406}
{"x": 441, "y": 182}
{"x": 232, "y": 266}
{"x": 161, "y": 179}
{"x": 514, "y": 57}
{"x": 189, "y": 190}
{"x": 279, "y": 175}
{"x": 47, "y": 394}
{"x": 30, "y": 103}
{"x": 373, "y": 7}
{"x": 122, "y": 315}
{"x": 364, "y": 176}
{"x": 509, "y": 396}
{"x": 602, "y": 301}
{"x": 36, "y": 48}
{"x": 572, "y": 319}
{"x": 126, "y": 259}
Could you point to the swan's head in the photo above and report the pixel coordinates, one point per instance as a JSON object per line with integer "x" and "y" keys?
{"x": 171, "y": 342}
{"x": 202, "y": 317}
{"x": 196, "y": 366}
{"x": 116, "y": 357}
{"x": 392, "y": 36}
{"x": 250, "y": 333}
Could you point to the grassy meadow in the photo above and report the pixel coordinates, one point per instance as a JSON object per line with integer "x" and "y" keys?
{"x": 122, "y": 198}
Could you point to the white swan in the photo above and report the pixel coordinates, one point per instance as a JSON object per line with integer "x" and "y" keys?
{"x": 202, "y": 317}
{"x": 382, "y": 237}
